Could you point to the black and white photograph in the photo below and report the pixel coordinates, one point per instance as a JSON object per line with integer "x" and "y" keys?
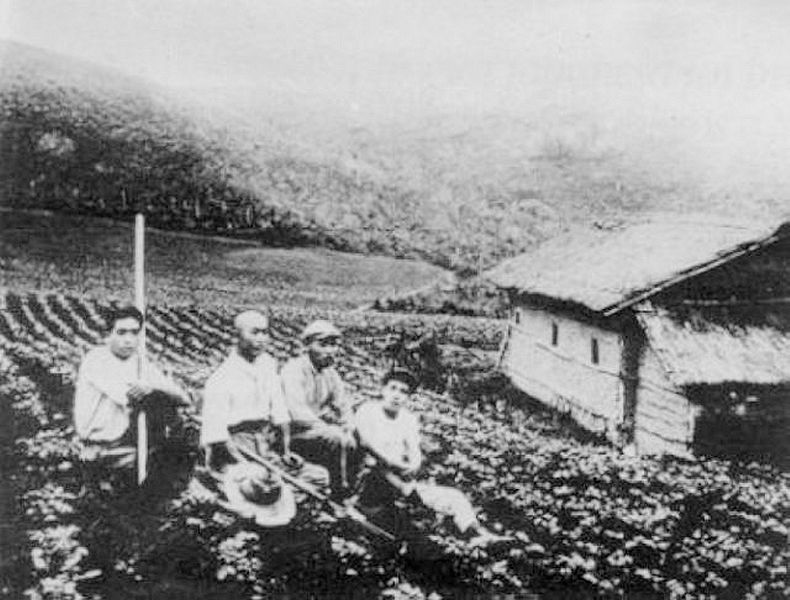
{"x": 394, "y": 299}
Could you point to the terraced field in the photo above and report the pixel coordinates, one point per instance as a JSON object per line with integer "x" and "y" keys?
{"x": 611, "y": 525}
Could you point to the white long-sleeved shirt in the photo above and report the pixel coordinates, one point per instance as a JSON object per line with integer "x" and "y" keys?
{"x": 240, "y": 391}
{"x": 101, "y": 408}
{"x": 395, "y": 439}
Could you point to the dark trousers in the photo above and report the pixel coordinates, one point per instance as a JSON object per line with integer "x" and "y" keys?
{"x": 332, "y": 448}
{"x": 113, "y": 464}
{"x": 261, "y": 438}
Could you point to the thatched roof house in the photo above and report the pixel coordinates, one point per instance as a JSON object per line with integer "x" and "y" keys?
{"x": 647, "y": 332}
{"x": 702, "y": 348}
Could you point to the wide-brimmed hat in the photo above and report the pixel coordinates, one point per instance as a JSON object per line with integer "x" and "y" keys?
{"x": 320, "y": 329}
{"x": 255, "y": 492}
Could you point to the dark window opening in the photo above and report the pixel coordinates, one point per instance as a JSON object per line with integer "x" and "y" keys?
{"x": 594, "y": 356}
{"x": 555, "y": 334}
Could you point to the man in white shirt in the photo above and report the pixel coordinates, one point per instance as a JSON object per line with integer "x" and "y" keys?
{"x": 319, "y": 406}
{"x": 390, "y": 433}
{"x": 111, "y": 386}
{"x": 243, "y": 402}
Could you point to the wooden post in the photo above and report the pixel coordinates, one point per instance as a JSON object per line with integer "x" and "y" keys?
{"x": 139, "y": 301}
{"x": 343, "y": 467}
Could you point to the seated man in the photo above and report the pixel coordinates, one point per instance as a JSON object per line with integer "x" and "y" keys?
{"x": 318, "y": 403}
{"x": 390, "y": 434}
{"x": 243, "y": 405}
{"x": 242, "y": 400}
{"x": 111, "y": 386}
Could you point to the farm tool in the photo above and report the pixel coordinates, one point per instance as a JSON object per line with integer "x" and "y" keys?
{"x": 339, "y": 510}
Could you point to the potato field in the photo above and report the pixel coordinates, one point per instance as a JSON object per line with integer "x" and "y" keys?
{"x": 609, "y": 525}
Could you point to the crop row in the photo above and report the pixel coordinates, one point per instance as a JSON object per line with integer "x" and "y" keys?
{"x": 76, "y": 543}
{"x": 48, "y": 348}
{"x": 613, "y": 525}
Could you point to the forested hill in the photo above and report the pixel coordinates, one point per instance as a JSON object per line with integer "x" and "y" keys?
{"x": 461, "y": 191}
{"x": 74, "y": 136}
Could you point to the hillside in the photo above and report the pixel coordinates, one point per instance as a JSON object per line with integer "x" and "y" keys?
{"x": 83, "y": 138}
{"x": 606, "y": 525}
{"x": 462, "y": 191}
{"x": 93, "y": 257}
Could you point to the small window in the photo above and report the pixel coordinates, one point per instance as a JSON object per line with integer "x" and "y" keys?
{"x": 555, "y": 334}
{"x": 594, "y": 356}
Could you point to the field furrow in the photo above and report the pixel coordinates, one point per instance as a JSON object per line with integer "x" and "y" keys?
{"x": 611, "y": 525}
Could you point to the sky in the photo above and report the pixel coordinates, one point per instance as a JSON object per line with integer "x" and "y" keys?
{"x": 709, "y": 80}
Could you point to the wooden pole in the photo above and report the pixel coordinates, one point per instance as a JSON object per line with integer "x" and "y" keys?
{"x": 139, "y": 302}
{"x": 344, "y": 466}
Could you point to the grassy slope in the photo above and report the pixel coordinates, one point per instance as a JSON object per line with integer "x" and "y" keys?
{"x": 462, "y": 191}
{"x": 74, "y": 135}
{"x": 83, "y": 255}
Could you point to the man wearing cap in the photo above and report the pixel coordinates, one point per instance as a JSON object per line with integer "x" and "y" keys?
{"x": 242, "y": 400}
{"x": 319, "y": 407}
{"x": 390, "y": 434}
{"x": 110, "y": 387}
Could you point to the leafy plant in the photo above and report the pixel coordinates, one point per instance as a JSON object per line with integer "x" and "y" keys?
{"x": 584, "y": 516}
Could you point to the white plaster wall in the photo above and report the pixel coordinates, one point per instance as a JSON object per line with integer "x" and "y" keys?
{"x": 564, "y": 376}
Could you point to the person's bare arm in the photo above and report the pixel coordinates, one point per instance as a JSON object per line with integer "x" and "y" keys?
{"x": 413, "y": 450}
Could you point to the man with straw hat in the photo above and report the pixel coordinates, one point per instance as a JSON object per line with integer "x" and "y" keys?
{"x": 319, "y": 406}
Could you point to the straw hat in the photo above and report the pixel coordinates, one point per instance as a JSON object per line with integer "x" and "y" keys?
{"x": 255, "y": 492}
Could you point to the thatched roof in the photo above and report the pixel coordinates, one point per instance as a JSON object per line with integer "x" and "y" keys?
{"x": 713, "y": 346}
{"x": 608, "y": 270}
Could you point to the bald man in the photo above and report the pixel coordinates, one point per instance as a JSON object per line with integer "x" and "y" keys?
{"x": 243, "y": 402}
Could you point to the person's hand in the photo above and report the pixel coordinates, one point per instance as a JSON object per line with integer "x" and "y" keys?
{"x": 293, "y": 461}
{"x": 89, "y": 453}
{"x": 408, "y": 469}
{"x": 410, "y": 489}
{"x": 137, "y": 392}
{"x": 218, "y": 455}
{"x": 349, "y": 439}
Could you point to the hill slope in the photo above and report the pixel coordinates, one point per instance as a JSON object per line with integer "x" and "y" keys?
{"x": 461, "y": 190}
{"x": 93, "y": 257}
{"x": 75, "y": 136}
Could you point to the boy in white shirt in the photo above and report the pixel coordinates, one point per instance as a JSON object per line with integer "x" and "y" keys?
{"x": 390, "y": 433}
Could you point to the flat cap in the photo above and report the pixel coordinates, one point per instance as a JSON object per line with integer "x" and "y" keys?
{"x": 320, "y": 329}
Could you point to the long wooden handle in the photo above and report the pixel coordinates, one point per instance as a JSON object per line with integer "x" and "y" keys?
{"x": 142, "y": 447}
{"x": 139, "y": 301}
{"x": 352, "y": 513}
{"x": 343, "y": 466}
